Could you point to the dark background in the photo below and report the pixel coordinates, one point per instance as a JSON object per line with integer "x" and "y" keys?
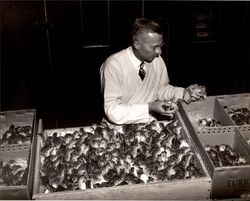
{"x": 51, "y": 51}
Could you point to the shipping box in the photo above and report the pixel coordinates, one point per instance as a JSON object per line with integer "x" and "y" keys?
{"x": 23, "y": 151}
{"x": 228, "y": 181}
{"x": 185, "y": 189}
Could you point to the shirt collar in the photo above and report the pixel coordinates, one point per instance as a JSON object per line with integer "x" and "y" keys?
{"x": 136, "y": 62}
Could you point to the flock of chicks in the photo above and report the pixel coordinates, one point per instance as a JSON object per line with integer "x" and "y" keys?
{"x": 13, "y": 172}
{"x": 209, "y": 122}
{"x": 16, "y": 135}
{"x": 104, "y": 157}
{"x": 240, "y": 116}
{"x": 225, "y": 155}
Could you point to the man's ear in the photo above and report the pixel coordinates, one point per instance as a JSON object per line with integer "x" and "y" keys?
{"x": 136, "y": 44}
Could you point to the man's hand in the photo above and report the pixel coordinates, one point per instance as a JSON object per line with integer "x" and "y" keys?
{"x": 167, "y": 108}
{"x": 193, "y": 93}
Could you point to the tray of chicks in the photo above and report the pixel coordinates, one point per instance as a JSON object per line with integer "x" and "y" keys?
{"x": 16, "y": 135}
{"x": 237, "y": 109}
{"x": 15, "y": 172}
{"x": 16, "y": 127}
{"x": 205, "y": 116}
{"x": 237, "y": 112}
{"x": 227, "y": 158}
{"x": 137, "y": 161}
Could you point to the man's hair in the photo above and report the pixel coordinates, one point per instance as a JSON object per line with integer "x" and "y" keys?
{"x": 144, "y": 25}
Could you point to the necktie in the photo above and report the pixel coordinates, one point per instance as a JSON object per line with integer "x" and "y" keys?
{"x": 142, "y": 72}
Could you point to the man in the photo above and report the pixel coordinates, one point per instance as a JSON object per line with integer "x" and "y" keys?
{"x": 135, "y": 81}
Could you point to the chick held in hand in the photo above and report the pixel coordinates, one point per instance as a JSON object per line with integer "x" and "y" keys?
{"x": 194, "y": 92}
{"x": 170, "y": 107}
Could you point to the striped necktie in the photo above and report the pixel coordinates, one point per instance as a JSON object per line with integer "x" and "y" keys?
{"x": 142, "y": 72}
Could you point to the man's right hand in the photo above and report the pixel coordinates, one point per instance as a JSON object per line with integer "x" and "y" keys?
{"x": 167, "y": 108}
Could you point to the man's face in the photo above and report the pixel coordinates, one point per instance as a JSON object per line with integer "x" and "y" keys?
{"x": 149, "y": 46}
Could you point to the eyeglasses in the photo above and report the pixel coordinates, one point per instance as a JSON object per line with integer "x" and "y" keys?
{"x": 154, "y": 48}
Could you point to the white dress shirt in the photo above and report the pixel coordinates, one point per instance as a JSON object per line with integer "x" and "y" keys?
{"x": 126, "y": 96}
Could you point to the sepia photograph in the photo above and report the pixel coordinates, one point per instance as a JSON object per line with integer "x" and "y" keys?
{"x": 124, "y": 100}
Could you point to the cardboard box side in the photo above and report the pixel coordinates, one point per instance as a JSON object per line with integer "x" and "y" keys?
{"x": 14, "y": 193}
{"x": 225, "y": 179}
{"x": 196, "y": 140}
{"x": 36, "y": 175}
{"x": 231, "y": 182}
{"x": 32, "y": 161}
{"x": 192, "y": 190}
